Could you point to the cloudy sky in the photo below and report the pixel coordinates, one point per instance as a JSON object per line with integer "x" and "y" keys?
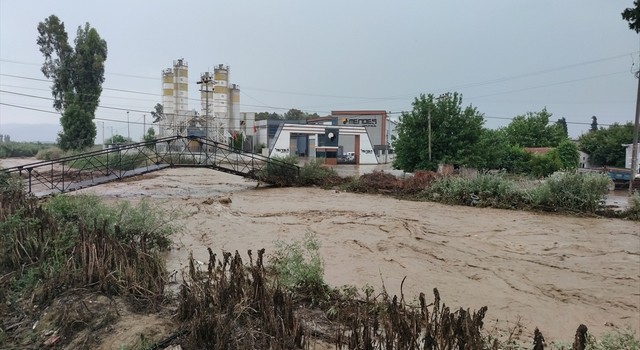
{"x": 574, "y": 57}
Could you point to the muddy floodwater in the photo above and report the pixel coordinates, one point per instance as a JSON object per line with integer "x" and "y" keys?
{"x": 548, "y": 271}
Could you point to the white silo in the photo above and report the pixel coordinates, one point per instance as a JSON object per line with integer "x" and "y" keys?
{"x": 234, "y": 103}
{"x": 168, "y": 103}
{"x": 221, "y": 102}
{"x": 175, "y": 98}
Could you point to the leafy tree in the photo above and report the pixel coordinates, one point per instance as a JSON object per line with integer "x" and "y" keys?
{"x": 517, "y": 160}
{"x": 79, "y": 131}
{"x": 268, "y": 116}
{"x": 77, "y": 74}
{"x": 562, "y": 122}
{"x": 454, "y": 136}
{"x": 158, "y": 113}
{"x": 150, "y": 135}
{"x": 568, "y": 154}
{"x": 117, "y": 140}
{"x": 594, "y": 124}
{"x": 533, "y": 130}
{"x": 632, "y": 15}
{"x": 545, "y": 164}
{"x": 295, "y": 114}
{"x": 492, "y": 149}
{"x": 604, "y": 146}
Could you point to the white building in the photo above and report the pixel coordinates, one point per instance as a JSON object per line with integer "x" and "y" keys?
{"x": 627, "y": 157}
{"x": 584, "y": 160}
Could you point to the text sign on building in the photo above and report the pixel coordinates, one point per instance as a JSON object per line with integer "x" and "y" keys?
{"x": 366, "y": 122}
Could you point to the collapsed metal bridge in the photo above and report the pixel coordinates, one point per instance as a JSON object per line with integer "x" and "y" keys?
{"x": 98, "y": 167}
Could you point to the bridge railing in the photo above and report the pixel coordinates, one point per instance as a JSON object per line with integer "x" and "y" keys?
{"x": 96, "y": 167}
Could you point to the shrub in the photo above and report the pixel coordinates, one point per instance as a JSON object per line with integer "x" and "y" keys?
{"x": 314, "y": 173}
{"x": 50, "y": 153}
{"x": 299, "y": 267}
{"x": 483, "y": 190}
{"x": 280, "y": 171}
{"x": 619, "y": 340}
{"x": 115, "y": 160}
{"x": 20, "y": 149}
{"x": 633, "y": 211}
{"x": 546, "y": 164}
{"x": 571, "y": 191}
{"x": 377, "y": 181}
{"x": 417, "y": 183}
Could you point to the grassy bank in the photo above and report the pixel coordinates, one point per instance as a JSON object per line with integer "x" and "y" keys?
{"x": 70, "y": 246}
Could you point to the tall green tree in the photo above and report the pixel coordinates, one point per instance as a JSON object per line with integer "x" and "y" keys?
{"x": 158, "y": 113}
{"x": 455, "y": 133}
{"x": 604, "y": 146}
{"x": 534, "y": 130}
{"x": 594, "y": 123}
{"x": 150, "y": 135}
{"x": 294, "y": 114}
{"x": 631, "y": 15}
{"x": 77, "y": 75}
{"x": 492, "y": 149}
{"x": 268, "y": 116}
{"x": 562, "y": 122}
{"x": 568, "y": 153}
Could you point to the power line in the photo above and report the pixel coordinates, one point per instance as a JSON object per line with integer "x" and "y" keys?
{"x": 474, "y": 84}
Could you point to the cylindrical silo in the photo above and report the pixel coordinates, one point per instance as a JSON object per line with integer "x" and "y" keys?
{"x": 168, "y": 103}
{"x": 234, "y": 103}
{"x": 181, "y": 87}
{"x": 220, "y": 101}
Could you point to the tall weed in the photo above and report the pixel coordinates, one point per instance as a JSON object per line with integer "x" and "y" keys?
{"x": 79, "y": 242}
{"x": 299, "y": 266}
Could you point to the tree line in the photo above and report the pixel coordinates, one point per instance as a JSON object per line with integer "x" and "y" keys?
{"x": 457, "y": 135}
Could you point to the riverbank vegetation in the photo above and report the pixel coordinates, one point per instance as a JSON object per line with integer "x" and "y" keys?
{"x": 68, "y": 260}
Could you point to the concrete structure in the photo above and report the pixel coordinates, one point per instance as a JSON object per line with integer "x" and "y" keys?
{"x": 175, "y": 96}
{"x": 235, "y": 122}
{"x": 627, "y": 156}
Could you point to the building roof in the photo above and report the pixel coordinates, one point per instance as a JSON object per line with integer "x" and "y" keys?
{"x": 360, "y": 112}
{"x": 538, "y": 150}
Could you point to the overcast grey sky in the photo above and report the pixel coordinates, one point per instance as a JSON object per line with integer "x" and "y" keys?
{"x": 506, "y": 57}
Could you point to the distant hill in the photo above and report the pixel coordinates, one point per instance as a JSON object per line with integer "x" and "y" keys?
{"x": 31, "y": 132}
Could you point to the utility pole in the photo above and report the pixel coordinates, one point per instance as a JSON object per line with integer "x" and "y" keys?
{"x": 128, "y": 133}
{"x": 634, "y": 148}
{"x": 144, "y": 125}
{"x": 445, "y": 95}
{"x": 206, "y": 80}
{"x": 429, "y": 133}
